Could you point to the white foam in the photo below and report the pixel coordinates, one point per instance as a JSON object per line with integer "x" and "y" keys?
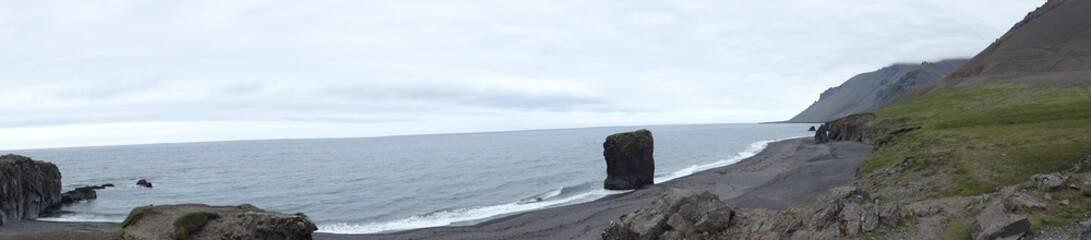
{"x": 79, "y": 217}
{"x": 447, "y": 217}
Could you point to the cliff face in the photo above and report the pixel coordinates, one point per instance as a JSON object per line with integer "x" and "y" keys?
{"x": 26, "y": 187}
{"x": 872, "y": 90}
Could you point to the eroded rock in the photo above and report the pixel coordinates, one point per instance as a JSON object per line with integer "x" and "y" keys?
{"x": 629, "y": 163}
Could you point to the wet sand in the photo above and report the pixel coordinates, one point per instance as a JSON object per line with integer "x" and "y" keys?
{"x": 784, "y": 174}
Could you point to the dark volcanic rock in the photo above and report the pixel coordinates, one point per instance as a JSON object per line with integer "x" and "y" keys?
{"x": 79, "y": 194}
{"x": 225, "y": 222}
{"x": 82, "y": 193}
{"x": 822, "y": 134}
{"x": 811, "y": 129}
{"x": 27, "y": 187}
{"x": 144, "y": 183}
{"x": 629, "y": 163}
{"x": 677, "y": 214}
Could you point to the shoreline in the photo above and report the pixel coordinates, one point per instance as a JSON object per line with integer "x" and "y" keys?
{"x": 784, "y": 173}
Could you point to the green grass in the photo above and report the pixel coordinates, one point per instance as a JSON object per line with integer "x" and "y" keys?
{"x": 958, "y": 229}
{"x": 250, "y": 207}
{"x": 989, "y": 136}
{"x": 133, "y": 213}
{"x": 191, "y": 222}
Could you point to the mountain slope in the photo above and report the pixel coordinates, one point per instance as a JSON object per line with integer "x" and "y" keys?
{"x": 1050, "y": 46}
{"x": 1020, "y": 108}
{"x": 868, "y": 91}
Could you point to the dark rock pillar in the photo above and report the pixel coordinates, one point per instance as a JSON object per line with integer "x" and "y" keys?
{"x": 629, "y": 163}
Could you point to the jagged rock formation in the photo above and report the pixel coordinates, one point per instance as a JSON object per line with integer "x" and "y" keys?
{"x": 629, "y": 163}
{"x": 677, "y": 214}
{"x": 27, "y": 187}
{"x": 199, "y": 221}
{"x": 872, "y": 90}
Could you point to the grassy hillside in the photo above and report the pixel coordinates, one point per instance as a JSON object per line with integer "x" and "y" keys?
{"x": 982, "y": 137}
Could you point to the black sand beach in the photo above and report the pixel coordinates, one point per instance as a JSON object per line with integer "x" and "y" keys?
{"x": 786, "y": 173}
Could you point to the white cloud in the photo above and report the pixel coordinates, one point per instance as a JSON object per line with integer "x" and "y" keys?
{"x": 116, "y": 72}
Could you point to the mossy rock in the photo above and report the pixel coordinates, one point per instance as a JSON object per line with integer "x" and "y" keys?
{"x": 191, "y": 222}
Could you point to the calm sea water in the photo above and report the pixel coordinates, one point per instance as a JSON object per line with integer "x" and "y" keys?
{"x": 366, "y": 185}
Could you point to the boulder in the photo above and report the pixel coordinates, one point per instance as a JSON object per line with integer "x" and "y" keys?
{"x": 27, "y": 187}
{"x": 629, "y": 163}
{"x": 994, "y": 223}
{"x": 1049, "y": 182}
{"x": 79, "y": 194}
{"x": 1085, "y": 232}
{"x": 676, "y": 214}
{"x": 822, "y": 134}
{"x": 199, "y": 221}
{"x": 144, "y": 183}
{"x": 811, "y": 129}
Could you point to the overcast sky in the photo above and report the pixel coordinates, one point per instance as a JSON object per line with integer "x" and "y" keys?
{"x": 81, "y": 73}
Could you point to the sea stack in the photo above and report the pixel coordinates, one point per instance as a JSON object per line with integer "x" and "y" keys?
{"x": 629, "y": 163}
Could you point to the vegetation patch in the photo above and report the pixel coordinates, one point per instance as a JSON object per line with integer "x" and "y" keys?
{"x": 958, "y": 229}
{"x": 250, "y": 207}
{"x": 191, "y": 222}
{"x": 991, "y": 135}
{"x": 984, "y": 137}
{"x": 133, "y": 213}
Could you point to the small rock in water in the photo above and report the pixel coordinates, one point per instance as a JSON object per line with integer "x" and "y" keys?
{"x": 144, "y": 183}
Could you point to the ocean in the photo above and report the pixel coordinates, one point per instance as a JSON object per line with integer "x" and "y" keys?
{"x": 379, "y": 184}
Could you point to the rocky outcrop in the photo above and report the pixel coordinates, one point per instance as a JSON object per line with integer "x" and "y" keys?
{"x": 822, "y": 135}
{"x": 27, "y": 187}
{"x": 677, "y": 214}
{"x": 994, "y": 223}
{"x": 198, "y": 221}
{"x": 144, "y": 183}
{"x": 811, "y": 129}
{"x": 629, "y": 163}
{"x": 863, "y": 127}
{"x": 82, "y": 194}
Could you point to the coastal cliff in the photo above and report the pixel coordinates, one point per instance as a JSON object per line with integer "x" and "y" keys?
{"x": 27, "y": 187}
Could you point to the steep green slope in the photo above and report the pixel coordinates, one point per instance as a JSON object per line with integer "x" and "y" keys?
{"x": 989, "y": 136}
